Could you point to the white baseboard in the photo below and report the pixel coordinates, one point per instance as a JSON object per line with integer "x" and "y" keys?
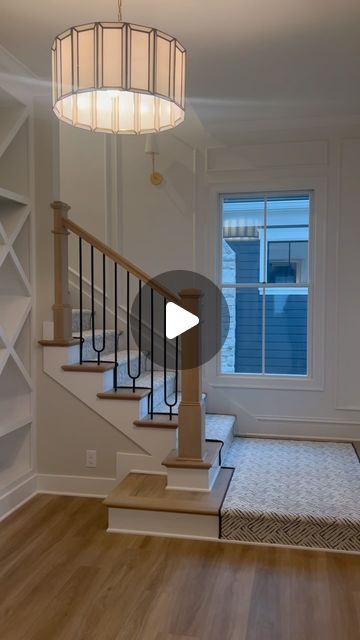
{"x": 303, "y": 428}
{"x": 17, "y": 496}
{"x": 83, "y": 486}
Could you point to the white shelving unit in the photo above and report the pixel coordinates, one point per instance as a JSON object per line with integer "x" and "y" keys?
{"x": 16, "y": 379}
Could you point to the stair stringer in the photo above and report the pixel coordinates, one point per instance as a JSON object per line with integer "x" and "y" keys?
{"x": 155, "y": 443}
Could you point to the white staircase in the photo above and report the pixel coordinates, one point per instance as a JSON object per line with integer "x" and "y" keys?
{"x": 174, "y": 484}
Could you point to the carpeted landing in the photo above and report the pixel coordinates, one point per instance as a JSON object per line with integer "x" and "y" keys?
{"x": 293, "y": 493}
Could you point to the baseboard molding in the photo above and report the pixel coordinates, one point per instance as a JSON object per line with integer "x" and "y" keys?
{"x": 17, "y": 496}
{"x": 303, "y": 428}
{"x": 83, "y": 486}
{"x": 279, "y": 436}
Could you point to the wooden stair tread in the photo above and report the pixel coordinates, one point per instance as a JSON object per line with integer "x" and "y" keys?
{"x": 159, "y": 421}
{"x": 124, "y": 394}
{"x": 59, "y": 343}
{"x": 211, "y": 453}
{"x": 148, "y": 492}
{"x": 89, "y": 367}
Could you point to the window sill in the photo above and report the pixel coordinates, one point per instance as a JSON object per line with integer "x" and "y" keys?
{"x": 282, "y": 383}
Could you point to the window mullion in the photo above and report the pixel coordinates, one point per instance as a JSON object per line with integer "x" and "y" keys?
{"x": 263, "y": 355}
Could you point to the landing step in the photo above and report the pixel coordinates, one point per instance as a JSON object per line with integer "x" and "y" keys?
{"x": 148, "y": 492}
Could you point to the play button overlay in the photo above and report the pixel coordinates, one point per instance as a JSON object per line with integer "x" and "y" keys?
{"x": 178, "y": 320}
{"x": 163, "y": 322}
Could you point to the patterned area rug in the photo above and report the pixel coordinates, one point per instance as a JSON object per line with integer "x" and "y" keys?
{"x": 293, "y": 493}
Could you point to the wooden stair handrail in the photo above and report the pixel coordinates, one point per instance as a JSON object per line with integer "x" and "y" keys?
{"x": 123, "y": 262}
{"x": 191, "y": 421}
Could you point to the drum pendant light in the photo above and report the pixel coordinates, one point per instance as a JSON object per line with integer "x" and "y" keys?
{"x": 118, "y": 77}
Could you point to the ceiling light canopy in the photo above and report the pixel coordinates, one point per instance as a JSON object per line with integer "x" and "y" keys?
{"x": 118, "y": 77}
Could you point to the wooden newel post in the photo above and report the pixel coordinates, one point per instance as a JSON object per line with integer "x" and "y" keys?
{"x": 62, "y": 311}
{"x": 191, "y": 431}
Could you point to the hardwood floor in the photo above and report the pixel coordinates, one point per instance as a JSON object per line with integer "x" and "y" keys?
{"x": 62, "y": 577}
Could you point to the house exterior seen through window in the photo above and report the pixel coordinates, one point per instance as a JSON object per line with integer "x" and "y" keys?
{"x": 265, "y": 281}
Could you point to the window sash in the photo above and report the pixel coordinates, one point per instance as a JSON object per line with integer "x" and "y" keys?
{"x": 263, "y": 285}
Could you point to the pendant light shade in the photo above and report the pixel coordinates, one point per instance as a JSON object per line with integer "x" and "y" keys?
{"x": 118, "y": 77}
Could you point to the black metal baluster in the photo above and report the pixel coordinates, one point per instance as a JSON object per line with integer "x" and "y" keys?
{"x": 81, "y": 300}
{"x": 115, "y": 384}
{"x": 140, "y": 330}
{"x": 128, "y": 321}
{"x": 152, "y": 353}
{"x": 92, "y": 296}
{"x": 98, "y": 351}
{"x": 170, "y": 405}
{"x": 165, "y": 353}
{"x": 104, "y": 307}
{"x": 133, "y": 377}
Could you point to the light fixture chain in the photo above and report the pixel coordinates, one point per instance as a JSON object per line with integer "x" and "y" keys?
{"x": 120, "y": 10}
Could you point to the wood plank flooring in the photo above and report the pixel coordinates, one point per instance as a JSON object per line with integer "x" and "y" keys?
{"x": 62, "y": 577}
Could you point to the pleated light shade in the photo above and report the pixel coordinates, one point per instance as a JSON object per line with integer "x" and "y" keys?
{"x": 118, "y": 77}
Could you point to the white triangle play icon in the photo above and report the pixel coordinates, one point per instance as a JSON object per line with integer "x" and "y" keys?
{"x": 178, "y": 320}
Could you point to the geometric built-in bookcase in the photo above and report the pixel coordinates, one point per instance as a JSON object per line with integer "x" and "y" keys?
{"x": 16, "y": 281}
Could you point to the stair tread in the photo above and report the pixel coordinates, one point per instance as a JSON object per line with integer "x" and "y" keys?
{"x": 87, "y": 333}
{"x": 160, "y": 421}
{"x": 124, "y": 394}
{"x": 217, "y": 426}
{"x": 148, "y": 492}
{"x": 88, "y": 367}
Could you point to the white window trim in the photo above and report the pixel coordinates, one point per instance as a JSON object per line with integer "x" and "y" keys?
{"x": 314, "y": 381}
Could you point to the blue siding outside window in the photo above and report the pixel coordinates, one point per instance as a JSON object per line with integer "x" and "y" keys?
{"x": 265, "y": 253}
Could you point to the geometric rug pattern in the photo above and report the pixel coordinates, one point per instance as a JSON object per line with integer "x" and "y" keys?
{"x": 293, "y": 493}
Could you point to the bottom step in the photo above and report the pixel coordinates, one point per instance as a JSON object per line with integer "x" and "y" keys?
{"x": 142, "y": 504}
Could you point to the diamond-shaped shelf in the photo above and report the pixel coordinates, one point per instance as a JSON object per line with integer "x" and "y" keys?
{"x": 21, "y": 247}
{"x": 12, "y": 117}
{"x": 12, "y": 215}
{"x": 15, "y": 398}
{"x": 13, "y": 311}
{"x": 15, "y": 293}
{"x": 15, "y": 156}
{"x": 23, "y": 345}
{"x": 12, "y": 281}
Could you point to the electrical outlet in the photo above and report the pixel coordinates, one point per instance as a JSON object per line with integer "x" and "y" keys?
{"x": 91, "y": 458}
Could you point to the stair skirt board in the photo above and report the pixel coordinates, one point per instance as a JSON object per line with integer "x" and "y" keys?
{"x": 161, "y": 523}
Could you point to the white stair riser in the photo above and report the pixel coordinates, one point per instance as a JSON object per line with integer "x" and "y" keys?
{"x": 163, "y": 523}
{"x": 191, "y": 479}
{"x": 87, "y": 321}
{"x": 88, "y": 353}
{"x": 122, "y": 372}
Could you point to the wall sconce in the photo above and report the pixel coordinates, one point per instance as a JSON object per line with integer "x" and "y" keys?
{"x": 152, "y": 148}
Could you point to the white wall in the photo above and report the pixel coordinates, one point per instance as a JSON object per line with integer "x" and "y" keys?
{"x": 326, "y": 161}
{"x": 173, "y": 227}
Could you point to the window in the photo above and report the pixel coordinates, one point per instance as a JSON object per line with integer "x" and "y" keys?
{"x": 265, "y": 282}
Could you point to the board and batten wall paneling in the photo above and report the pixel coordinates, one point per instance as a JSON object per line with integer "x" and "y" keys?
{"x": 348, "y": 374}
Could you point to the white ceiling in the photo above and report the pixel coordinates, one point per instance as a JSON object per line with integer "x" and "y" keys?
{"x": 247, "y": 59}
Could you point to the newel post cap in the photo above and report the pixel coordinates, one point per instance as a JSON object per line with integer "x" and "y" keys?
{"x": 58, "y": 205}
